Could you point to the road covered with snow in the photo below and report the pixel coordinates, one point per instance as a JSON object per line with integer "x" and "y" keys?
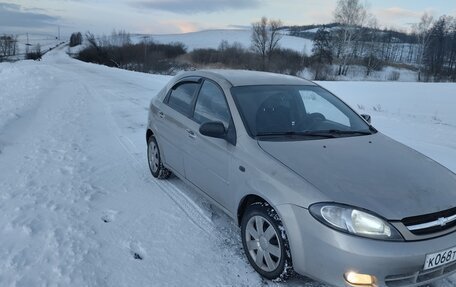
{"x": 78, "y": 206}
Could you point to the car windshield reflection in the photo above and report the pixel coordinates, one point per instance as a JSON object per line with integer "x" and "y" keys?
{"x": 297, "y": 112}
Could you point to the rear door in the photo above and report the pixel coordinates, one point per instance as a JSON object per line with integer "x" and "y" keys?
{"x": 208, "y": 160}
{"x": 173, "y": 119}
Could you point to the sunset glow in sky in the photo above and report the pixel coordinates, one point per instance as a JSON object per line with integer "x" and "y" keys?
{"x": 176, "y": 16}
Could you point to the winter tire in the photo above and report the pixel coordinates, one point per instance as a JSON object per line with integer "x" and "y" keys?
{"x": 153, "y": 158}
{"x": 265, "y": 242}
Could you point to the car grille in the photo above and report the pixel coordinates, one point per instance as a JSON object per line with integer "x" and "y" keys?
{"x": 421, "y": 277}
{"x": 431, "y": 223}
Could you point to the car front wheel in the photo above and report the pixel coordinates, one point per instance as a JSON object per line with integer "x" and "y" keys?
{"x": 265, "y": 242}
{"x": 155, "y": 164}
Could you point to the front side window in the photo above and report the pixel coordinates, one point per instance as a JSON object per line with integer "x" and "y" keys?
{"x": 297, "y": 112}
{"x": 181, "y": 97}
{"x": 211, "y": 105}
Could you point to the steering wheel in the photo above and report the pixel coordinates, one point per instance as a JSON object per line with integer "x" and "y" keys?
{"x": 311, "y": 121}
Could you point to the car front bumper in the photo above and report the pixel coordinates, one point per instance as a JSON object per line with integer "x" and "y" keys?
{"x": 324, "y": 254}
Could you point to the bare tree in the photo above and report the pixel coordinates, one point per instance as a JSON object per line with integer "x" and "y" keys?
{"x": 440, "y": 52}
{"x": 260, "y": 38}
{"x": 91, "y": 39}
{"x": 265, "y": 38}
{"x": 8, "y": 45}
{"x": 120, "y": 38}
{"x": 371, "y": 53}
{"x": 274, "y": 36}
{"x": 350, "y": 14}
{"x": 422, "y": 30}
{"x": 322, "y": 54}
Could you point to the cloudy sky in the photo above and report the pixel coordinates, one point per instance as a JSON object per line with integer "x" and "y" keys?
{"x": 176, "y": 16}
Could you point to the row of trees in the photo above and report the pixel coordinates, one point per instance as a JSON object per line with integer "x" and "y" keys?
{"x": 9, "y": 48}
{"x": 354, "y": 40}
{"x": 357, "y": 40}
{"x": 117, "y": 50}
{"x": 439, "y": 52}
{"x": 75, "y": 39}
{"x": 236, "y": 56}
{"x": 8, "y": 45}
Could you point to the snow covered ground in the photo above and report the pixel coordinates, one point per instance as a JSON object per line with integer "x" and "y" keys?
{"x": 45, "y": 42}
{"x": 213, "y": 38}
{"x": 358, "y": 73}
{"x": 79, "y": 207}
{"x": 420, "y": 115}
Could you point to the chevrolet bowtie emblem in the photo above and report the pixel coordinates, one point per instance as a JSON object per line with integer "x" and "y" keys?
{"x": 443, "y": 221}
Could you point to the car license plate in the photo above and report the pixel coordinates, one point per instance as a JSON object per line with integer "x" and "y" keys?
{"x": 440, "y": 258}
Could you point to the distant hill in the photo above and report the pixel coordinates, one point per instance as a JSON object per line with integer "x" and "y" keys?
{"x": 308, "y": 32}
{"x": 213, "y": 38}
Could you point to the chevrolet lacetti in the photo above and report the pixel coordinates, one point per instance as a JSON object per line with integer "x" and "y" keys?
{"x": 315, "y": 188}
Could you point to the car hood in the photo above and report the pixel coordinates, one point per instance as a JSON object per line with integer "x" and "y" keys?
{"x": 372, "y": 172}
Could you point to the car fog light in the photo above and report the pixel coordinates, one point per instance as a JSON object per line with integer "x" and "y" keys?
{"x": 359, "y": 279}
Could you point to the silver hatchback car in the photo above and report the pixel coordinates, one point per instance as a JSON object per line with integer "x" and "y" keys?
{"x": 315, "y": 188}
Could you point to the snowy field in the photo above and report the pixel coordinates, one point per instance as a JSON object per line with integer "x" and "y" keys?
{"x": 79, "y": 207}
{"x": 45, "y": 41}
{"x": 213, "y": 38}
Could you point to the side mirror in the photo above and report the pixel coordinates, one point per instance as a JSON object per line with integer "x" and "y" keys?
{"x": 213, "y": 130}
{"x": 367, "y": 118}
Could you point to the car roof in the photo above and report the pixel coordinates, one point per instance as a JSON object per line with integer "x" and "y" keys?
{"x": 249, "y": 78}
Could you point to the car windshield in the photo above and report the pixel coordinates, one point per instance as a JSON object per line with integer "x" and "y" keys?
{"x": 298, "y": 112}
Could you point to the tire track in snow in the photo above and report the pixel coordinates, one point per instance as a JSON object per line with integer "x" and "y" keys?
{"x": 193, "y": 212}
{"x": 187, "y": 205}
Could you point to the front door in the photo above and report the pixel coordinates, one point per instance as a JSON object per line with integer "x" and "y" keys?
{"x": 208, "y": 160}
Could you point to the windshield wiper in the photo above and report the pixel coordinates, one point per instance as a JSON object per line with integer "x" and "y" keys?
{"x": 348, "y": 132}
{"x": 321, "y": 134}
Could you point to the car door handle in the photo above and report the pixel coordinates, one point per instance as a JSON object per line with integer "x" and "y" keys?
{"x": 191, "y": 134}
{"x": 161, "y": 114}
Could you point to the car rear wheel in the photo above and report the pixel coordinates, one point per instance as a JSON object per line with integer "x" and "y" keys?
{"x": 155, "y": 164}
{"x": 265, "y": 242}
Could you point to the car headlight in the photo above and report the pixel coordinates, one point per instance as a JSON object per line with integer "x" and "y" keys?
{"x": 354, "y": 221}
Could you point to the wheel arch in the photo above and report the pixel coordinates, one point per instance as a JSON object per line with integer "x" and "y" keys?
{"x": 254, "y": 198}
{"x": 149, "y": 133}
{"x": 245, "y": 202}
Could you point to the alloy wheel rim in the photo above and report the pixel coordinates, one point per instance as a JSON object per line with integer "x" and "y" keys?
{"x": 263, "y": 243}
{"x": 154, "y": 159}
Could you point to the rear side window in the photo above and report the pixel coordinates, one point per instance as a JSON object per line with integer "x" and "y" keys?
{"x": 181, "y": 97}
{"x": 211, "y": 105}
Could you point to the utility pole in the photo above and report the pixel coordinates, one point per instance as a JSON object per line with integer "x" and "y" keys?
{"x": 27, "y": 44}
{"x": 146, "y": 42}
